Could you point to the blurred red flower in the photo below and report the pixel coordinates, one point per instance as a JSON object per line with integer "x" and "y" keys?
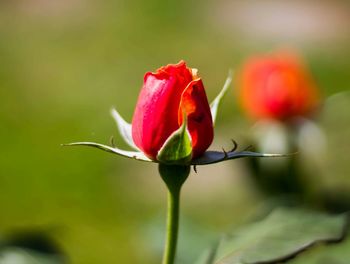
{"x": 277, "y": 86}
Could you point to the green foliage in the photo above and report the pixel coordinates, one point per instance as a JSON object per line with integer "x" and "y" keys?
{"x": 281, "y": 236}
{"x": 332, "y": 254}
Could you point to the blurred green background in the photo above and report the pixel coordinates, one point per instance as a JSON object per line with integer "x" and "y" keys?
{"x": 65, "y": 63}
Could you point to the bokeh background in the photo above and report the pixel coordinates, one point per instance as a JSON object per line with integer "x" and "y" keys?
{"x": 65, "y": 63}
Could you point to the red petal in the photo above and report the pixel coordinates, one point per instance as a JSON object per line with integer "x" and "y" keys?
{"x": 156, "y": 113}
{"x": 200, "y": 125}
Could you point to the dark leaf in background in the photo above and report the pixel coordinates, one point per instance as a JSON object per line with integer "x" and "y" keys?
{"x": 283, "y": 235}
{"x": 30, "y": 248}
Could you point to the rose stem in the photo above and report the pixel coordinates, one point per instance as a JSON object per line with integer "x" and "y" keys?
{"x": 173, "y": 176}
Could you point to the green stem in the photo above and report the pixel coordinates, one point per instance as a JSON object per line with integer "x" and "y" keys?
{"x": 173, "y": 176}
{"x": 172, "y": 228}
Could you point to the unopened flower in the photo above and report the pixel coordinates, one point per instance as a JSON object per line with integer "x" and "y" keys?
{"x": 166, "y": 96}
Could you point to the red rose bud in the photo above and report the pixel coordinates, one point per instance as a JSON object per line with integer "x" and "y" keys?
{"x": 165, "y": 96}
{"x": 277, "y": 86}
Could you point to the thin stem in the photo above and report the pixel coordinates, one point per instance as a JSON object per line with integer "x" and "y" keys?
{"x": 173, "y": 176}
{"x": 172, "y": 227}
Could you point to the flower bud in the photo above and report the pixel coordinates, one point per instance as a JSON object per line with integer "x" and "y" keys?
{"x": 166, "y": 95}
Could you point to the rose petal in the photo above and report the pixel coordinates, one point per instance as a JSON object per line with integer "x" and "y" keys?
{"x": 155, "y": 117}
{"x": 195, "y": 104}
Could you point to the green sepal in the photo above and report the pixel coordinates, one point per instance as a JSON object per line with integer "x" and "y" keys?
{"x": 124, "y": 129}
{"x": 210, "y": 157}
{"x": 215, "y": 104}
{"x": 128, "y": 154}
{"x": 177, "y": 149}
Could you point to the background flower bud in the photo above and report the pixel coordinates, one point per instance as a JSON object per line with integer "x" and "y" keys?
{"x": 166, "y": 94}
{"x": 277, "y": 86}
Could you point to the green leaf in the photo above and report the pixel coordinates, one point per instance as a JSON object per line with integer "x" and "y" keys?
{"x": 128, "y": 154}
{"x": 207, "y": 257}
{"x": 124, "y": 129}
{"x": 215, "y": 104}
{"x": 337, "y": 254}
{"x": 177, "y": 149}
{"x": 282, "y": 235}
